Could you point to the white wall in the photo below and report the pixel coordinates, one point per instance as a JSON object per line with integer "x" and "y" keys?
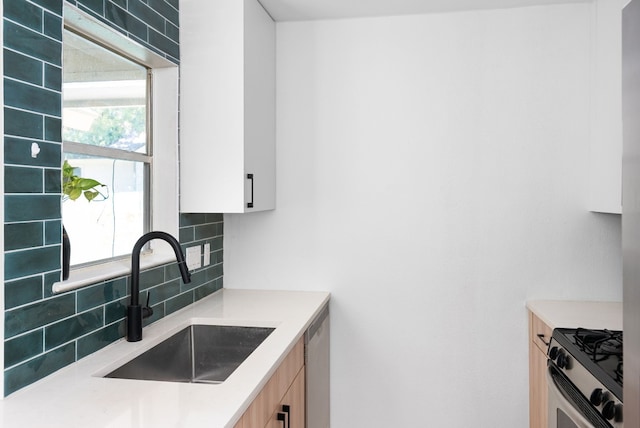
{"x": 431, "y": 174}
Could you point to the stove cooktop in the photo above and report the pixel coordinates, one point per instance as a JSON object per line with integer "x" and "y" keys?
{"x": 598, "y": 351}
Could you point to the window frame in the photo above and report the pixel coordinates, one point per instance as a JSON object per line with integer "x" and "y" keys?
{"x": 146, "y": 158}
{"x": 164, "y": 193}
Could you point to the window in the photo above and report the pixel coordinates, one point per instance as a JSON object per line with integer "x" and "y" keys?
{"x": 149, "y": 173}
{"x": 105, "y": 116}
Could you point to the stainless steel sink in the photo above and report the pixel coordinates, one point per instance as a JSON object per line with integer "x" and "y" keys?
{"x": 196, "y": 354}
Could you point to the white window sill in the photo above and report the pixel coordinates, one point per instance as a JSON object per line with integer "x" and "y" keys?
{"x": 94, "y": 274}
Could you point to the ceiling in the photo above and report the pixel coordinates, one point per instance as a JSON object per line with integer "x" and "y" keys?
{"x": 302, "y": 10}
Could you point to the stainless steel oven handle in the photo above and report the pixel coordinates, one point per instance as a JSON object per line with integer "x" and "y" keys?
{"x": 557, "y": 400}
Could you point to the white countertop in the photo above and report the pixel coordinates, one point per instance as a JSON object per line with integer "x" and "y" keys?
{"x": 573, "y": 314}
{"x": 77, "y": 395}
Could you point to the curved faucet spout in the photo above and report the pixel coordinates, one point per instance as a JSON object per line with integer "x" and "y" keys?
{"x": 134, "y": 310}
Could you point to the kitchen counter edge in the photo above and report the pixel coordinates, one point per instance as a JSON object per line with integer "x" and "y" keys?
{"x": 573, "y": 314}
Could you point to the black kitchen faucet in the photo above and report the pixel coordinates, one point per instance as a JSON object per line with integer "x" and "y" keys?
{"x": 136, "y": 312}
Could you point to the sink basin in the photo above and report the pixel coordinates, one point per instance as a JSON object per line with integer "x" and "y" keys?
{"x": 196, "y": 354}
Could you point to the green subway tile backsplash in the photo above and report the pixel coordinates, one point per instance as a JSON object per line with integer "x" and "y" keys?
{"x": 23, "y": 235}
{"x": 22, "y": 291}
{"x": 53, "y": 26}
{"x": 197, "y": 278}
{"x": 26, "y": 373}
{"x": 147, "y": 15}
{"x": 214, "y": 272}
{"x": 52, "y": 77}
{"x": 22, "y": 123}
{"x": 204, "y": 231}
{"x": 192, "y": 219}
{"x": 72, "y": 328}
{"x": 23, "y": 96}
{"x": 207, "y": 289}
{"x": 29, "y": 262}
{"x": 52, "y": 183}
{"x": 21, "y": 67}
{"x": 173, "y": 32}
{"x": 165, "y": 291}
{"x": 31, "y": 207}
{"x": 54, "y": 6}
{"x": 48, "y": 279}
{"x": 151, "y": 277}
{"x": 39, "y": 314}
{"x": 166, "y": 10}
{"x": 53, "y": 130}
{"x": 17, "y": 151}
{"x": 32, "y": 43}
{"x": 43, "y": 332}
{"x": 99, "y": 294}
{"x": 96, "y": 6}
{"x": 23, "y": 347}
{"x": 121, "y": 18}
{"x": 115, "y": 311}
{"x": 23, "y": 180}
{"x": 179, "y": 302}
{"x": 186, "y": 234}
{"x": 164, "y": 43}
{"x": 52, "y": 232}
{"x": 136, "y": 18}
{"x": 213, "y": 218}
{"x": 99, "y": 339}
{"x": 158, "y": 313}
{"x": 24, "y": 13}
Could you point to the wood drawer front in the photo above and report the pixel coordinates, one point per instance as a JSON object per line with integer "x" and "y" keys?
{"x": 260, "y": 410}
{"x": 540, "y": 333}
{"x": 295, "y": 399}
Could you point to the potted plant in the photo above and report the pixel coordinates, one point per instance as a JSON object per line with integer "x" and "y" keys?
{"x": 74, "y": 186}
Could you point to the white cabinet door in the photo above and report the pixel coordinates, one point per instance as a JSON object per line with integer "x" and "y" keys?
{"x": 605, "y": 163}
{"x": 227, "y": 106}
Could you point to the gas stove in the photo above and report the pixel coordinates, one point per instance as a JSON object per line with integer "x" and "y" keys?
{"x": 586, "y": 366}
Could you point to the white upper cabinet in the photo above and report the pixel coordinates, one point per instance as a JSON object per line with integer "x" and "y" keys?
{"x": 227, "y": 107}
{"x": 605, "y": 165}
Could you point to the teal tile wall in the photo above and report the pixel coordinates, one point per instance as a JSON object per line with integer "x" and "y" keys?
{"x": 44, "y": 333}
{"x": 152, "y": 23}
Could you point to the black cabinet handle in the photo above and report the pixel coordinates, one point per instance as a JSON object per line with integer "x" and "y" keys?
{"x": 287, "y": 409}
{"x": 281, "y": 418}
{"x": 250, "y": 203}
{"x": 541, "y": 336}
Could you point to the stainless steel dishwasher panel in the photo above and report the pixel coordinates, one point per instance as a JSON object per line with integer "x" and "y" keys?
{"x": 316, "y": 355}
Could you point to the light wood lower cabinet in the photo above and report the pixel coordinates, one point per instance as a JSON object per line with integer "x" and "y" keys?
{"x": 539, "y": 336}
{"x": 293, "y": 413}
{"x": 285, "y": 387}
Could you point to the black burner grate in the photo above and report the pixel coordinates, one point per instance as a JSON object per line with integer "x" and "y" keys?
{"x": 599, "y": 344}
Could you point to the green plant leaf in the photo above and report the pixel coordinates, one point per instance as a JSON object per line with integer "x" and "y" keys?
{"x": 87, "y": 183}
{"x": 75, "y": 194}
{"x": 90, "y": 195}
{"x": 74, "y": 186}
{"x": 67, "y": 169}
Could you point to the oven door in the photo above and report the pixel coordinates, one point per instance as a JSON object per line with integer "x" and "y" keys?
{"x": 568, "y": 408}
